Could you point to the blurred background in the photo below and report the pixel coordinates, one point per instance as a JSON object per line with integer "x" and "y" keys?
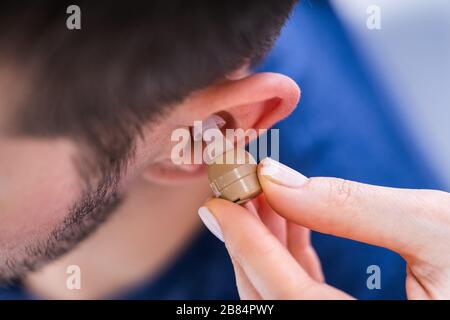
{"x": 411, "y": 54}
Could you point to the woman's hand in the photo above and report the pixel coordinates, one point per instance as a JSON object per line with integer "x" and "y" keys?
{"x": 269, "y": 244}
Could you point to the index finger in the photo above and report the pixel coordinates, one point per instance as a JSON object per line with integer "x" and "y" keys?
{"x": 387, "y": 217}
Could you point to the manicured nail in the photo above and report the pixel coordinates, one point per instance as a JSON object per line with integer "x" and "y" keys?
{"x": 210, "y": 222}
{"x": 281, "y": 174}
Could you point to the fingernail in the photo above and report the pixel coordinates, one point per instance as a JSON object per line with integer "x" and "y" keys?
{"x": 210, "y": 222}
{"x": 281, "y": 174}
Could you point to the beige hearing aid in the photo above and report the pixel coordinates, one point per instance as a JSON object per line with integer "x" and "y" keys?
{"x": 236, "y": 182}
{"x": 232, "y": 175}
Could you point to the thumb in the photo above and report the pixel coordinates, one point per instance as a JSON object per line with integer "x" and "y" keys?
{"x": 264, "y": 260}
{"x": 386, "y": 217}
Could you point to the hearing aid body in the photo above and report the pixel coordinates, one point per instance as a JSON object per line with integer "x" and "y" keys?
{"x": 231, "y": 171}
{"x": 235, "y": 180}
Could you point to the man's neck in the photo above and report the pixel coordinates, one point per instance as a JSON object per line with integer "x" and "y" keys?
{"x": 153, "y": 225}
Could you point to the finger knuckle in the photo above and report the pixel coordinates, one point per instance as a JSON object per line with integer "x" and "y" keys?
{"x": 296, "y": 289}
{"x": 435, "y": 205}
{"x": 341, "y": 192}
{"x": 270, "y": 249}
{"x": 247, "y": 247}
{"x": 444, "y": 198}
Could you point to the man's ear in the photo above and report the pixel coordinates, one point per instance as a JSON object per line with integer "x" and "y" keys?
{"x": 257, "y": 101}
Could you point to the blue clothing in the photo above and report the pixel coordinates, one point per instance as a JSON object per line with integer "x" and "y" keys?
{"x": 345, "y": 127}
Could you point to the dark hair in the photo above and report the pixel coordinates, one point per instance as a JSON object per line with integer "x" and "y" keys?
{"x": 130, "y": 61}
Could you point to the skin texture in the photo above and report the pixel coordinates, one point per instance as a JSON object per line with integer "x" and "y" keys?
{"x": 273, "y": 257}
{"x": 40, "y": 183}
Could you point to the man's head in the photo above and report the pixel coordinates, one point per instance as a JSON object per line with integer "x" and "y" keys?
{"x": 84, "y": 113}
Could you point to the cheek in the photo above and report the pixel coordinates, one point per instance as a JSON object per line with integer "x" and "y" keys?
{"x": 36, "y": 194}
{"x": 37, "y": 208}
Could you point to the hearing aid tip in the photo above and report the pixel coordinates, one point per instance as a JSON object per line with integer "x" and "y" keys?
{"x": 212, "y": 122}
